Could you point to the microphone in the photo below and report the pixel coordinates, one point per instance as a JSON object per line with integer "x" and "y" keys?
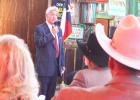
{"x": 57, "y": 23}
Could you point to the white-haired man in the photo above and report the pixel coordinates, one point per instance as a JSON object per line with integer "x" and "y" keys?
{"x": 124, "y": 52}
{"x": 49, "y": 53}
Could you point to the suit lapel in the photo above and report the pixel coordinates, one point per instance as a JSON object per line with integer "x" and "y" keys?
{"x": 46, "y": 29}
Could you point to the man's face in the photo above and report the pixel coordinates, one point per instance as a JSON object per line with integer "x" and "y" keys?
{"x": 52, "y": 17}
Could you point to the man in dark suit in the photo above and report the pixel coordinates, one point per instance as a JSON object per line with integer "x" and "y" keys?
{"x": 49, "y": 53}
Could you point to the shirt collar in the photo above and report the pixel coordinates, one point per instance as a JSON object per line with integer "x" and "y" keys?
{"x": 49, "y": 25}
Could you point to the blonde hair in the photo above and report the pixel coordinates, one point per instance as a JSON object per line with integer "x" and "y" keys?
{"x": 17, "y": 73}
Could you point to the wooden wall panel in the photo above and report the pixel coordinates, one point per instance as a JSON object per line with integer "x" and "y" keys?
{"x": 14, "y": 17}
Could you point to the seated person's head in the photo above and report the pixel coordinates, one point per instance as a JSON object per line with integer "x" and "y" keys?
{"x": 92, "y": 52}
{"x": 17, "y": 74}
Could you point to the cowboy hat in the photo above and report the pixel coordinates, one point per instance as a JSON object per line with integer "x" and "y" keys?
{"x": 124, "y": 46}
{"x": 93, "y": 51}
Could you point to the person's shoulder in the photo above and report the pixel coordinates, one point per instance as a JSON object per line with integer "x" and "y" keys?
{"x": 82, "y": 72}
{"x": 86, "y": 70}
{"x": 41, "y": 25}
{"x": 78, "y": 74}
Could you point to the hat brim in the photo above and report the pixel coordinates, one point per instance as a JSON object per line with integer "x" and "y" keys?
{"x": 105, "y": 43}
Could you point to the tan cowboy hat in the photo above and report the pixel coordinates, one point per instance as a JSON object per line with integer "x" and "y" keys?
{"x": 124, "y": 46}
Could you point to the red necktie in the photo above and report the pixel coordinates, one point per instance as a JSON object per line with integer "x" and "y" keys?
{"x": 56, "y": 44}
{"x": 57, "y": 47}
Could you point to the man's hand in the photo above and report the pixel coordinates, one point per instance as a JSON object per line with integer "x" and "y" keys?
{"x": 62, "y": 70}
{"x": 55, "y": 30}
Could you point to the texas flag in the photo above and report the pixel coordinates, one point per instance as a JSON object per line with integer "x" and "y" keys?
{"x": 66, "y": 26}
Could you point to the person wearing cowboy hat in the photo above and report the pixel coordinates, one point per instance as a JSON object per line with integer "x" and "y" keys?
{"x": 94, "y": 57}
{"x": 124, "y": 62}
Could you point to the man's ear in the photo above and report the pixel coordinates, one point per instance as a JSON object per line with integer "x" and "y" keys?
{"x": 114, "y": 66}
{"x": 110, "y": 63}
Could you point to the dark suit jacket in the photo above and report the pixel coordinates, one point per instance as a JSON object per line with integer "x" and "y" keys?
{"x": 46, "y": 63}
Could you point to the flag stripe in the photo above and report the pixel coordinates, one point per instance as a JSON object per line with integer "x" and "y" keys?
{"x": 66, "y": 20}
{"x": 68, "y": 29}
{"x": 63, "y": 21}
